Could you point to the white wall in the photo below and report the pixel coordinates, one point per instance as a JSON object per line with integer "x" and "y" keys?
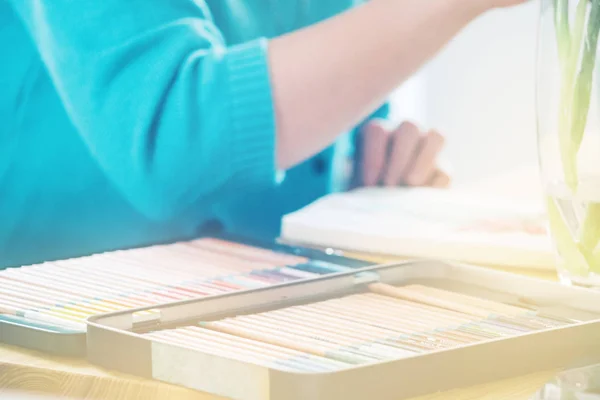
{"x": 480, "y": 92}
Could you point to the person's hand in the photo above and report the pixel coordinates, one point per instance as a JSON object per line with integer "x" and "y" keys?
{"x": 477, "y": 7}
{"x": 507, "y": 3}
{"x": 487, "y": 4}
{"x": 400, "y": 156}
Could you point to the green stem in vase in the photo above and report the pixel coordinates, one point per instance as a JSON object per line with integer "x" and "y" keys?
{"x": 577, "y": 54}
{"x": 571, "y": 255}
{"x": 563, "y": 33}
{"x": 583, "y": 86}
{"x": 590, "y": 229}
{"x": 589, "y": 237}
{"x": 568, "y": 53}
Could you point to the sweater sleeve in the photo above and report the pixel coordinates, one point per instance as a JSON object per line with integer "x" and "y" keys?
{"x": 382, "y": 112}
{"x": 170, "y": 113}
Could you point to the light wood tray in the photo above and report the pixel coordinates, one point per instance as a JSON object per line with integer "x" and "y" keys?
{"x": 116, "y": 340}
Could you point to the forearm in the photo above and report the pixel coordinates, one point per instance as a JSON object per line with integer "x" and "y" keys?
{"x": 330, "y": 76}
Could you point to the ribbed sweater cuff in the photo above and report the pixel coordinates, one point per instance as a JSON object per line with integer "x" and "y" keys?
{"x": 252, "y": 114}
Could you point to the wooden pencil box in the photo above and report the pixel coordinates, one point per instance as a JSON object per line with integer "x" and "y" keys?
{"x": 119, "y": 340}
{"x": 50, "y": 336}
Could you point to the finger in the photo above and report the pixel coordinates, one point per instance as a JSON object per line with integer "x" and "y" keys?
{"x": 424, "y": 162}
{"x": 440, "y": 179}
{"x": 375, "y": 138}
{"x": 403, "y": 142}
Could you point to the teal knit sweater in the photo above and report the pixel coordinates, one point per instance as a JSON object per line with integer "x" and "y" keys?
{"x": 130, "y": 122}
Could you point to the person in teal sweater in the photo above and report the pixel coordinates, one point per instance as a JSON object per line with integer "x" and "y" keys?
{"x": 131, "y": 122}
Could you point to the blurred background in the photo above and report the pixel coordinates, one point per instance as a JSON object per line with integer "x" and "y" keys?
{"x": 480, "y": 92}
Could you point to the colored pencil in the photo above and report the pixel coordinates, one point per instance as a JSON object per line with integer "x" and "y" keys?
{"x": 75, "y": 289}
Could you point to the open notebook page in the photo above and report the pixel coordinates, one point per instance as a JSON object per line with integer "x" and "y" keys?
{"x": 425, "y": 223}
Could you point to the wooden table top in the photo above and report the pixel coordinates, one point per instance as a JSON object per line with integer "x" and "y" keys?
{"x": 29, "y": 371}
{"x": 73, "y": 378}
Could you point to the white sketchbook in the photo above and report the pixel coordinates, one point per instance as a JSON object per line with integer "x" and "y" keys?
{"x": 425, "y": 223}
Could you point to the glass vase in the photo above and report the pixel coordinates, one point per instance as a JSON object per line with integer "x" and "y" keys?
{"x": 569, "y": 134}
